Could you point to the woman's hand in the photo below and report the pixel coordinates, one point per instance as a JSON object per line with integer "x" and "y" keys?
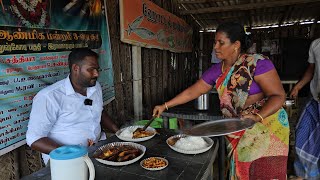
{"x": 192, "y": 92}
{"x": 157, "y": 110}
{"x": 254, "y": 117}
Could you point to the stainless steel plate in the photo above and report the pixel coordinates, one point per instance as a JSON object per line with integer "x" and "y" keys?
{"x": 219, "y": 127}
{"x": 112, "y": 163}
{"x": 132, "y": 129}
{"x": 175, "y": 138}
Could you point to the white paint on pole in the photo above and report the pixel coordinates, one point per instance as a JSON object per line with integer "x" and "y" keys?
{"x": 137, "y": 82}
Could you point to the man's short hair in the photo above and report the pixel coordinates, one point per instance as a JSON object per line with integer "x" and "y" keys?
{"x": 77, "y": 55}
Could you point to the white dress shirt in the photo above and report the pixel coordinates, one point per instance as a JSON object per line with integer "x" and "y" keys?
{"x": 314, "y": 57}
{"x": 59, "y": 113}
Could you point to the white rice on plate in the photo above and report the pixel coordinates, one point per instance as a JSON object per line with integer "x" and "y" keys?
{"x": 127, "y": 132}
{"x": 191, "y": 143}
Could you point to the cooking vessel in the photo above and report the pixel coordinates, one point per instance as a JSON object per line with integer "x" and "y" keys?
{"x": 289, "y": 102}
{"x": 202, "y": 102}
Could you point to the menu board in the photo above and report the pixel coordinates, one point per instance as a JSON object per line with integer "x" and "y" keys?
{"x": 35, "y": 40}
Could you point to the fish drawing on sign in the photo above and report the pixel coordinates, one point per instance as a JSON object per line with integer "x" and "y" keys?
{"x": 134, "y": 24}
{"x": 161, "y": 36}
{"x": 171, "y": 41}
{"x": 144, "y": 33}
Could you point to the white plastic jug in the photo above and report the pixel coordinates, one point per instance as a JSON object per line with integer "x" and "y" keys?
{"x": 71, "y": 163}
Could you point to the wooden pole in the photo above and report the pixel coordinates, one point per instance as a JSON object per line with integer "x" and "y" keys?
{"x": 137, "y": 82}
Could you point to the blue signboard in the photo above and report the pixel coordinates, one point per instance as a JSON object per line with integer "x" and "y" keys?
{"x": 36, "y": 37}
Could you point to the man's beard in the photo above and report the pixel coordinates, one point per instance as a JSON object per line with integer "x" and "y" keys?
{"x": 92, "y": 82}
{"x": 89, "y": 83}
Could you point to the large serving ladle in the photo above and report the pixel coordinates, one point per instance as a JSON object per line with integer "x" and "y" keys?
{"x": 145, "y": 126}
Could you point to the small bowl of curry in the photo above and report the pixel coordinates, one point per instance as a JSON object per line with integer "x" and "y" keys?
{"x": 154, "y": 163}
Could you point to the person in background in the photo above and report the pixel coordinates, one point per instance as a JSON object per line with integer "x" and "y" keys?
{"x": 70, "y": 111}
{"x": 214, "y": 58}
{"x": 307, "y": 144}
{"x": 252, "y": 49}
{"x": 274, "y": 49}
{"x": 248, "y": 87}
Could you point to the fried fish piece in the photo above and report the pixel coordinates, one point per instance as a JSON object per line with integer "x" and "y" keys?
{"x": 126, "y": 157}
{"x": 120, "y": 153}
{"x": 142, "y": 134}
{"x": 132, "y": 151}
{"x": 106, "y": 154}
{"x": 172, "y": 141}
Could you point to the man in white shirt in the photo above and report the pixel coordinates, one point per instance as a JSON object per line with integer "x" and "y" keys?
{"x": 307, "y": 148}
{"x": 70, "y": 111}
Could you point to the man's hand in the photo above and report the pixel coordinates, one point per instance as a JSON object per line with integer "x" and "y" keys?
{"x": 45, "y": 145}
{"x": 294, "y": 92}
{"x": 308, "y": 75}
{"x": 90, "y": 142}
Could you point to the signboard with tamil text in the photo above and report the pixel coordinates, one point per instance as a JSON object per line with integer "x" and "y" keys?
{"x": 35, "y": 40}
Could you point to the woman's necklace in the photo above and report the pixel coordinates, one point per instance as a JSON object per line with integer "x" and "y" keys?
{"x": 222, "y": 66}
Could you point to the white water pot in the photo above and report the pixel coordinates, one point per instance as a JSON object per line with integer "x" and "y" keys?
{"x": 71, "y": 163}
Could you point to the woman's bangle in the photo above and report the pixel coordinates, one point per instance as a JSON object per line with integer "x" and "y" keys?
{"x": 165, "y": 104}
{"x": 259, "y": 116}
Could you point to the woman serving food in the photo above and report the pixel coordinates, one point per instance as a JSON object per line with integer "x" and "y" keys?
{"x": 249, "y": 87}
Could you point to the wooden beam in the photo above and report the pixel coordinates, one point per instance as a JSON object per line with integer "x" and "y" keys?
{"x": 243, "y": 7}
{"x": 197, "y": 1}
{"x": 238, "y": 16}
{"x": 285, "y": 15}
{"x": 221, "y": 17}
